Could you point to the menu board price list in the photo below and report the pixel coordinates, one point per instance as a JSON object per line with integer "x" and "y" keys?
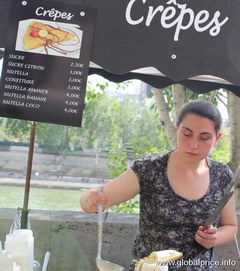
{"x": 74, "y": 72}
{"x": 73, "y": 95}
{"x": 70, "y": 111}
{"x": 75, "y": 80}
{"x": 77, "y": 65}
{"x": 74, "y": 87}
{"x": 72, "y": 103}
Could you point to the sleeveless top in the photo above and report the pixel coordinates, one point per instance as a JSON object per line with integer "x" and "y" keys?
{"x": 169, "y": 221}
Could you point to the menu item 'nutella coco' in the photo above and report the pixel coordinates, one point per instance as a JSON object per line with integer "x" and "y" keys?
{"x": 39, "y": 35}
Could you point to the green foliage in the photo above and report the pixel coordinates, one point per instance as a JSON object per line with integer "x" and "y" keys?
{"x": 55, "y": 138}
{"x": 93, "y": 93}
{"x": 16, "y": 130}
{"x": 148, "y": 135}
{"x": 117, "y": 161}
{"x": 130, "y": 206}
{"x": 117, "y": 165}
{"x": 221, "y": 151}
{"x": 138, "y": 135}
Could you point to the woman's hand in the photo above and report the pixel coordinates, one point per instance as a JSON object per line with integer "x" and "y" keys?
{"x": 90, "y": 200}
{"x": 121, "y": 189}
{"x": 206, "y": 237}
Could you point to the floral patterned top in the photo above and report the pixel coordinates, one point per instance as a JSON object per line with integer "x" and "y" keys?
{"x": 169, "y": 221}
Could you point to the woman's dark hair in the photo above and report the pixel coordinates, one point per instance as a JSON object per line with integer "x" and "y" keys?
{"x": 203, "y": 109}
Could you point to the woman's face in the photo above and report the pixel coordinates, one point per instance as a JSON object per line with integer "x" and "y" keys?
{"x": 196, "y": 136}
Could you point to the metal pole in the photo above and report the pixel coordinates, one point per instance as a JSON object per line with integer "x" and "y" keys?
{"x": 24, "y": 219}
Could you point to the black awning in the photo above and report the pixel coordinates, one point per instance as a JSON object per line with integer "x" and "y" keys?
{"x": 158, "y": 81}
{"x": 180, "y": 38}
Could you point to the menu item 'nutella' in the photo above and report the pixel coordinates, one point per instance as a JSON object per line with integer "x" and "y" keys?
{"x": 38, "y": 35}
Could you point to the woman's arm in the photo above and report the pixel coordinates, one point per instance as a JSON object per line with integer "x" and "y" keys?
{"x": 120, "y": 189}
{"x": 226, "y": 230}
{"x": 228, "y": 225}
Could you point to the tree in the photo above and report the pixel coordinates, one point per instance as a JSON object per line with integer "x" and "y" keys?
{"x": 234, "y": 113}
{"x": 17, "y": 130}
{"x": 170, "y": 100}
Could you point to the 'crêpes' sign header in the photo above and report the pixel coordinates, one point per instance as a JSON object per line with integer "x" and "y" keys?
{"x": 46, "y": 62}
{"x": 177, "y": 16}
{"x": 180, "y": 38}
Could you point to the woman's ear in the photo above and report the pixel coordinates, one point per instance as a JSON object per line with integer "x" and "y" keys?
{"x": 217, "y": 138}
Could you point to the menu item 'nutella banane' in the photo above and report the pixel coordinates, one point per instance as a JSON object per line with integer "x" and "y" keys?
{"x": 46, "y": 62}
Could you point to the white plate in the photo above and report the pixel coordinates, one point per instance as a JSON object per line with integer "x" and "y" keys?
{"x": 72, "y": 47}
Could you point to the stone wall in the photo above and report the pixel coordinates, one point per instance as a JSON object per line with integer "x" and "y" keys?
{"x": 71, "y": 237}
{"x": 74, "y": 163}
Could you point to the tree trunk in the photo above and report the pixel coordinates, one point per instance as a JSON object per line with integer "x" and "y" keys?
{"x": 164, "y": 116}
{"x": 179, "y": 98}
{"x": 234, "y": 113}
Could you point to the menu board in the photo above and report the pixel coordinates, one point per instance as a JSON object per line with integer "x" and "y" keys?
{"x": 46, "y": 62}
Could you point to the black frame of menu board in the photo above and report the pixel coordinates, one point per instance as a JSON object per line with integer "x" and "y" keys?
{"x": 46, "y": 62}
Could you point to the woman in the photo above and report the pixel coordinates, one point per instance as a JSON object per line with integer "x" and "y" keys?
{"x": 177, "y": 191}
